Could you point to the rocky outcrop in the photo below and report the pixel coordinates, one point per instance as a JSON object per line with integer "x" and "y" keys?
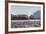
{"x": 19, "y": 17}
{"x": 36, "y": 15}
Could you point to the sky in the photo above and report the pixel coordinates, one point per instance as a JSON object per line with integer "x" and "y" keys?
{"x": 28, "y": 10}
